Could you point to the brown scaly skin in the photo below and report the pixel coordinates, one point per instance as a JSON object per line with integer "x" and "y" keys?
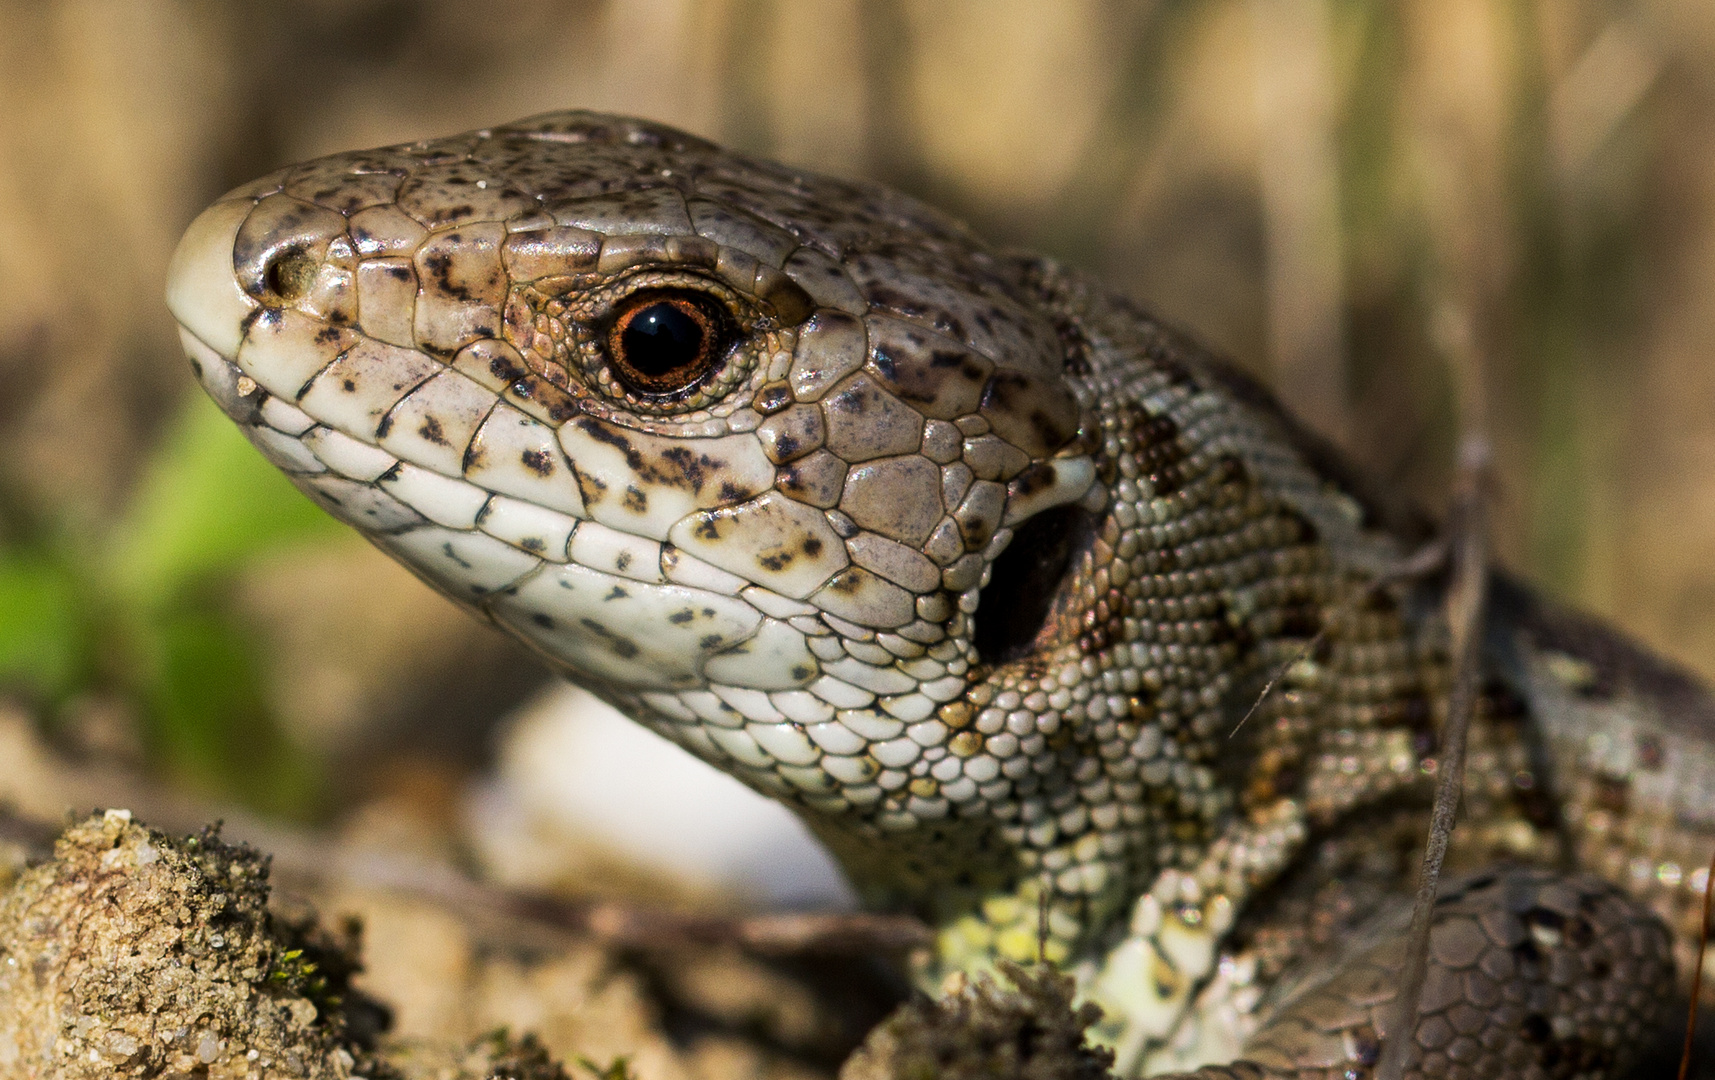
{"x": 978, "y": 569}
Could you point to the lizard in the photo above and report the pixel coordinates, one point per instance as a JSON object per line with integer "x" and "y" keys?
{"x": 980, "y": 569}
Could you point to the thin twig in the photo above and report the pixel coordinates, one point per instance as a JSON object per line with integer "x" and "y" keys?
{"x": 1466, "y": 599}
{"x": 1424, "y": 561}
{"x": 1697, "y": 971}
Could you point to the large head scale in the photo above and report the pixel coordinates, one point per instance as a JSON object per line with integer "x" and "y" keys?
{"x": 736, "y": 460}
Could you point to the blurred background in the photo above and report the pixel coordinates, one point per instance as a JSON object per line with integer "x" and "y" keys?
{"x": 1334, "y": 192}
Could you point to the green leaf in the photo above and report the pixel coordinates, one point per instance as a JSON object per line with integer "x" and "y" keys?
{"x": 45, "y": 637}
{"x": 208, "y": 719}
{"x": 208, "y": 501}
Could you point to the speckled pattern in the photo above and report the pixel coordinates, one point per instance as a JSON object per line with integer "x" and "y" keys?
{"x": 971, "y": 563}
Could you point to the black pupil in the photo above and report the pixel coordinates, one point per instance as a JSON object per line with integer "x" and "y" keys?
{"x": 661, "y": 339}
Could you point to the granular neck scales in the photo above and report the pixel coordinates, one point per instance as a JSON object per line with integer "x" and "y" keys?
{"x": 970, "y": 563}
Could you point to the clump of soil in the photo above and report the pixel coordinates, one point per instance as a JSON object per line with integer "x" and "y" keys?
{"x": 981, "y": 1030}
{"x": 132, "y": 954}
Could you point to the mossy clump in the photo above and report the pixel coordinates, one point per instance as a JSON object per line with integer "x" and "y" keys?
{"x": 496, "y": 1056}
{"x": 130, "y": 953}
{"x": 981, "y": 1030}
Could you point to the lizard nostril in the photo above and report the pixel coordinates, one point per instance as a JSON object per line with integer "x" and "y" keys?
{"x": 665, "y": 342}
{"x": 289, "y": 274}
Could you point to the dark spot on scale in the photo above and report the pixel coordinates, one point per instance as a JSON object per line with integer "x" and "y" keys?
{"x": 1075, "y": 346}
{"x": 811, "y": 546}
{"x": 431, "y": 431}
{"x": 635, "y": 500}
{"x": 196, "y": 366}
{"x": 618, "y": 593}
{"x": 731, "y": 493}
{"x": 847, "y": 582}
{"x": 384, "y": 427}
{"x": 454, "y": 558}
{"x": 850, "y": 402}
{"x": 502, "y": 367}
{"x": 327, "y": 336}
{"x": 622, "y": 560}
{"x": 440, "y": 265}
{"x": 623, "y": 647}
{"x": 399, "y": 272}
{"x": 539, "y": 462}
{"x": 706, "y": 529}
{"x": 533, "y": 545}
{"x": 1162, "y": 452}
{"x": 546, "y": 622}
{"x": 799, "y": 674}
{"x": 775, "y": 560}
{"x": 1049, "y": 429}
{"x": 710, "y": 641}
{"x": 1038, "y": 477}
{"x": 772, "y": 398}
{"x": 392, "y": 473}
{"x": 681, "y": 617}
{"x": 602, "y": 433}
{"x": 1007, "y": 392}
{"x": 350, "y": 385}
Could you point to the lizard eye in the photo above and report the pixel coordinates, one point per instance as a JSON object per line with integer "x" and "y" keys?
{"x": 663, "y": 342}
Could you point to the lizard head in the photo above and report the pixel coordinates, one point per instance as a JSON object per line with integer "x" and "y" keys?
{"x": 734, "y": 445}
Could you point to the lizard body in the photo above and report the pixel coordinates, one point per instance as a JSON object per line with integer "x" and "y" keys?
{"x": 978, "y": 568}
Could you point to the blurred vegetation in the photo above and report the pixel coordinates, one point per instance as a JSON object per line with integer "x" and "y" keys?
{"x": 1332, "y": 191}
{"x": 133, "y": 613}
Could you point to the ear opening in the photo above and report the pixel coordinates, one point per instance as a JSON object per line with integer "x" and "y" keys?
{"x": 1026, "y": 581}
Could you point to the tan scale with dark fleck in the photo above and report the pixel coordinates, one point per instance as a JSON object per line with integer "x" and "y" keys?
{"x": 977, "y": 568}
